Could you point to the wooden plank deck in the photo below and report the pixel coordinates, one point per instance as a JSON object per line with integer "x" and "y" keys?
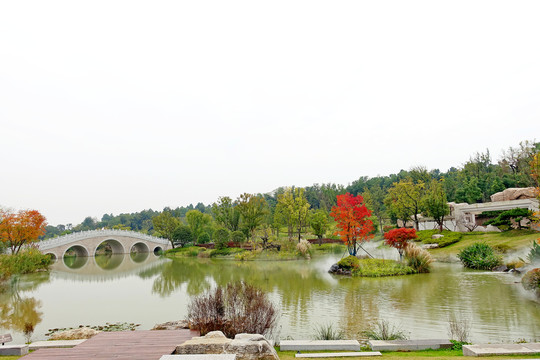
{"x": 120, "y": 345}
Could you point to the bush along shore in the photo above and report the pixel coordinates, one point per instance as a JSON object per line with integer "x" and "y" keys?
{"x": 25, "y": 262}
{"x": 282, "y": 250}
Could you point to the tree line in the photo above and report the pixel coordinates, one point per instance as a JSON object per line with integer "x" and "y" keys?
{"x": 298, "y": 210}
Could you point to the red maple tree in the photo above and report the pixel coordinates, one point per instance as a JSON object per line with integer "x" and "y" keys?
{"x": 353, "y": 223}
{"x": 399, "y": 238}
{"x": 18, "y": 229}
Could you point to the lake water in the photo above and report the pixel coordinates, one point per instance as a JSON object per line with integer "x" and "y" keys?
{"x": 147, "y": 290}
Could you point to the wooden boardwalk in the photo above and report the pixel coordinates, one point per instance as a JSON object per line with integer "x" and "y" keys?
{"x": 120, "y": 345}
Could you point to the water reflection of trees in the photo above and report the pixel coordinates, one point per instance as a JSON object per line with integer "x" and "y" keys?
{"x": 419, "y": 304}
{"x": 16, "y": 310}
{"x": 294, "y": 282}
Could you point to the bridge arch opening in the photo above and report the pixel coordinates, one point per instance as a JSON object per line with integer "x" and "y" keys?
{"x": 76, "y": 250}
{"x": 75, "y": 257}
{"x": 139, "y": 247}
{"x": 139, "y": 252}
{"x": 109, "y": 246}
{"x": 52, "y": 256}
{"x": 158, "y": 250}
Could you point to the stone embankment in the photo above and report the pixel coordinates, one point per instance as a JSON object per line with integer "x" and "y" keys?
{"x": 245, "y": 346}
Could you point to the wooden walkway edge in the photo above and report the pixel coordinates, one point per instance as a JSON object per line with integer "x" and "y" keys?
{"x": 120, "y": 345}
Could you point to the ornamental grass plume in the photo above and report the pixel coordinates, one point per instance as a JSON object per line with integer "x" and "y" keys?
{"x": 304, "y": 248}
{"x": 418, "y": 258}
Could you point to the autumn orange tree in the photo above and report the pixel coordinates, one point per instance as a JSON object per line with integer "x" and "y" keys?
{"x": 23, "y": 227}
{"x": 353, "y": 223}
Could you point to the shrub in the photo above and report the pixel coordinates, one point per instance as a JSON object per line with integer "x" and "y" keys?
{"x": 25, "y": 262}
{"x": 479, "y": 256}
{"x": 304, "y": 248}
{"x": 399, "y": 238}
{"x": 221, "y": 238}
{"x": 510, "y": 218}
{"x": 349, "y": 262}
{"x": 233, "y": 309}
{"x": 458, "y": 330}
{"x": 327, "y": 332}
{"x": 226, "y": 251}
{"x": 418, "y": 259}
{"x": 531, "y": 280}
{"x": 238, "y": 237}
{"x": 384, "y": 331}
{"x": 203, "y": 254}
{"x": 204, "y": 238}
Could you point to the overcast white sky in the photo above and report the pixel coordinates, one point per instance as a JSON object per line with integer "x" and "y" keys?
{"x": 119, "y": 106}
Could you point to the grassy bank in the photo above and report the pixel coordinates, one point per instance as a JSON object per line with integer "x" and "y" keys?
{"x": 288, "y": 252}
{"x": 391, "y": 355}
{"x": 415, "y": 355}
{"x": 25, "y": 262}
{"x": 506, "y": 242}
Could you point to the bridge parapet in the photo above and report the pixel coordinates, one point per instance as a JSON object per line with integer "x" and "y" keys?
{"x": 83, "y": 235}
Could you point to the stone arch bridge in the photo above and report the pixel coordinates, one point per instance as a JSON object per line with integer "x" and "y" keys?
{"x": 85, "y": 243}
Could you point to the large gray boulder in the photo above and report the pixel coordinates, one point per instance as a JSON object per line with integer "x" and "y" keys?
{"x": 491, "y": 228}
{"x": 245, "y": 346}
{"x": 514, "y": 194}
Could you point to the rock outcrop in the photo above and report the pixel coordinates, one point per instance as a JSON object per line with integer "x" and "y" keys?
{"x": 514, "y": 194}
{"x": 336, "y": 270}
{"x": 245, "y": 346}
{"x": 172, "y": 325}
{"x": 74, "y": 334}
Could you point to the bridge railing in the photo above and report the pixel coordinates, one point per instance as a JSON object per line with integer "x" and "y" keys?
{"x": 83, "y": 235}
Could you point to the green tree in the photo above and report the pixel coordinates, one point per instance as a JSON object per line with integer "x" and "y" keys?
{"x": 496, "y": 186}
{"x": 182, "y": 235}
{"x": 204, "y": 238}
{"x": 405, "y": 200}
{"x": 469, "y": 192}
{"x": 318, "y": 221}
{"x": 165, "y": 224}
{"x": 435, "y": 204}
{"x": 198, "y": 223}
{"x": 374, "y": 199}
{"x": 295, "y": 209}
{"x": 221, "y": 238}
{"x": 238, "y": 237}
{"x": 264, "y": 232}
{"x": 253, "y": 209}
{"x": 226, "y": 213}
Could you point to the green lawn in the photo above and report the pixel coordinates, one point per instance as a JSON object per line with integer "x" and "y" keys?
{"x": 414, "y": 355}
{"x": 508, "y": 241}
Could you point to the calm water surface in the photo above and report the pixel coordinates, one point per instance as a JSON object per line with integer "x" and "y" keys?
{"x": 147, "y": 290}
